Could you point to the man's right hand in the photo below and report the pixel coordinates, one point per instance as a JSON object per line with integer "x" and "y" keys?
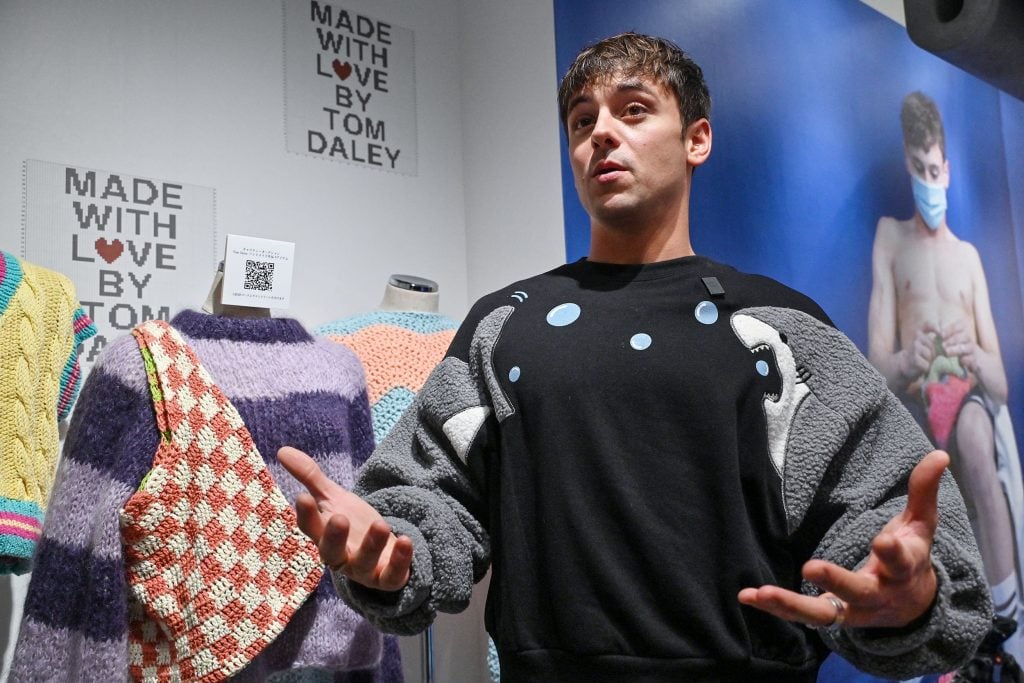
{"x": 917, "y": 358}
{"x": 352, "y": 537}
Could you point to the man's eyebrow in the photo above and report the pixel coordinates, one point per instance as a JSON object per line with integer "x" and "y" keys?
{"x": 633, "y": 84}
{"x": 625, "y": 86}
{"x": 579, "y": 99}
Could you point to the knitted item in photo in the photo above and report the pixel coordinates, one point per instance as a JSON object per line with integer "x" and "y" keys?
{"x": 398, "y": 350}
{"x": 213, "y": 551}
{"x": 290, "y": 390}
{"x": 41, "y": 326}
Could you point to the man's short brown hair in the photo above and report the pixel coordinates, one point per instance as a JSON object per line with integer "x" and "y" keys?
{"x": 922, "y": 123}
{"x": 633, "y": 54}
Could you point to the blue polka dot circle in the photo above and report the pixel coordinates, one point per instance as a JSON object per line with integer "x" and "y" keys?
{"x": 762, "y": 368}
{"x": 563, "y": 314}
{"x": 640, "y": 341}
{"x": 514, "y": 373}
{"x": 706, "y": 312}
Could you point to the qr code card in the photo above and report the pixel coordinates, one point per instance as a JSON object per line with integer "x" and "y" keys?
{"x": 257, "y": 272}
{"x": 259, "y": 275}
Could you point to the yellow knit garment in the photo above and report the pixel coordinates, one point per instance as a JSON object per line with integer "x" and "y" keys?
{"x": 37, "y": 337}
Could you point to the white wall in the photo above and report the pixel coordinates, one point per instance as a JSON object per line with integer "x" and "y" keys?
{"x": 191, "y": 91}
{"x": 511, "y": 144}
{"x": 890, "y": 8}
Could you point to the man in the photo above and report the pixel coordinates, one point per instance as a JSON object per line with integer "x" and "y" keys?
{"x": 932, "y": 335}
{"x": 642, "y": 442}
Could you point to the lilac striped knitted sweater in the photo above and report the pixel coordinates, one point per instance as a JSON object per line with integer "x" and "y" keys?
{"x": 290, "y": 390}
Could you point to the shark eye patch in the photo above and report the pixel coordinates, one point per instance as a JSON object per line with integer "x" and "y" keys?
{"x": 766, "y": 371}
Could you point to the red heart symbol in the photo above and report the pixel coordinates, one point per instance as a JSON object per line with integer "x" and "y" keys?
{"x": 109, "y": 251}
{"x": 343, "y": 71}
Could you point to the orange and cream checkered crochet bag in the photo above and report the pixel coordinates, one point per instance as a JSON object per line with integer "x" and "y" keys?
{"x": 215, "y": 560}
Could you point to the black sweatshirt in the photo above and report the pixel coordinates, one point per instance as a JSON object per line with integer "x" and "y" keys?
{"x": 629, "y": 452}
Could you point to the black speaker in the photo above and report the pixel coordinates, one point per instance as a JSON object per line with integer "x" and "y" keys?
{"x": 983, "y": 37}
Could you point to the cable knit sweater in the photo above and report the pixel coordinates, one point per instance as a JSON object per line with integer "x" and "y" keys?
{"x": 290, "y": 390}
{"x": 41, "y": 325}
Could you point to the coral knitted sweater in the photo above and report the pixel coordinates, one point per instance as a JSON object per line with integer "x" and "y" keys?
{"x": 41, "y": 325}
{"x": 290, "y": 390}
{"x": 398, "y": 349}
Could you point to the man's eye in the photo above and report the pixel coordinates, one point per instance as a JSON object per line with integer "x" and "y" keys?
{"x": 581, "y": 122}
{"x": 636, "y": 110}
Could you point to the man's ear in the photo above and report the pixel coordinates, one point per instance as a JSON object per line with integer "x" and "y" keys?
{"x": 697, "y": 139}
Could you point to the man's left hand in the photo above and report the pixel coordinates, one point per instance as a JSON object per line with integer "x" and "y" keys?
{"x": 896, "y": 585}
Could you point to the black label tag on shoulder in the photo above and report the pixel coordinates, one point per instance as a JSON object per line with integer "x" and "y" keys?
{"x": 713, "y": 286}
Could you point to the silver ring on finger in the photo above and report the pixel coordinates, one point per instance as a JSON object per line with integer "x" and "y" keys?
{"x": 840, "y": 617}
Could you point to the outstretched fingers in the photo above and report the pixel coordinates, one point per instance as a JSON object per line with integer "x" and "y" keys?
{"x": 305, "y": 469}
{"x": 363, "y": 562}
{"x": 380, "y": 561}
{"x": 311, "y": 522}
{"x": 791, "y": 606}
{"x": 352, "y": 537}
{"x": 395, "y": 573}
{"x": 923, "y": 490}
{"x": 334, "y": 542}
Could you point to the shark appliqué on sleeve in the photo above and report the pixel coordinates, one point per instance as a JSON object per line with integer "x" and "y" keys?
{"x": 825, "y": 388}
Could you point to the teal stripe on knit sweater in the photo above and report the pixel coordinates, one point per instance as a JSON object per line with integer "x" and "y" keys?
{"x": 15, "y": 554}
{"x": 10, "y": 278}
{"x": 15, "y": 550}
{"x": 388, "y": 409}
{"x": 71, "y": 375}
{"x": 21, "y": 507}
{"x": 424, "y": 323}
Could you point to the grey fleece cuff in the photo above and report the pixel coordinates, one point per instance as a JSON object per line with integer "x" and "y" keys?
{"x": 891, "y": 642}
{"x": 945, "y": 638}
{"x": 406, "y": 611}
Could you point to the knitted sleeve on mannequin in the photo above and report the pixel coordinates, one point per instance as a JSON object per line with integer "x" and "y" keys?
{"x": 74, "y": 626}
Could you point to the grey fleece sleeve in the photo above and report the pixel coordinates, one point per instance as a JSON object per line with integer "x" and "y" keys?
{"x": 426, "y": 480}
{"x": 873, "y": 485}
{"x": 849, "y": 446}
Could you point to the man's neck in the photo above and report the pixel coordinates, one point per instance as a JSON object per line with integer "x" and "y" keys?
{"x": 635, "y": 246}
{"x": 941, "y": 232}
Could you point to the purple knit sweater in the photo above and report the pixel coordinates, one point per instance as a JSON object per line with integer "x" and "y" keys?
{"x": 291, "y": 390}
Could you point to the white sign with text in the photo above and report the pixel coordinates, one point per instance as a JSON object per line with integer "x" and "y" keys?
{"x": 136, "y": 248}
{"x": 350, "y": 87}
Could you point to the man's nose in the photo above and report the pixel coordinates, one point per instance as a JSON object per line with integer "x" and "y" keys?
{"x": 604, "y": 133}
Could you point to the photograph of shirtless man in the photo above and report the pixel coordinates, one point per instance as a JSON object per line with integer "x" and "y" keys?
{"x": 932, "y": 335}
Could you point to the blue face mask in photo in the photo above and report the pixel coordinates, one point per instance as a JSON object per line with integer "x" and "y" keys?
{"x": 930, "y": 201}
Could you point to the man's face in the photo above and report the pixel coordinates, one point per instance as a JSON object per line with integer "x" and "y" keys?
{"x": 928, "y": 165}
{"x": 628, "y": 150}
